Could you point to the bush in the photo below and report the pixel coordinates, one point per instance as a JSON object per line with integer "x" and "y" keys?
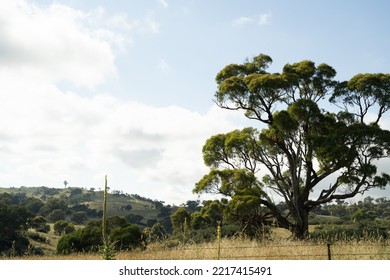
{"x": 43, "y": 228}
{"x": 37, "y": 237}
{"x": 347, "y": 232}
{"x": 79, "y": 217}
{"x": 88, "y": 239}
{"x": 157, "y": 233}
{"x": 13, "y": 224}
{"x": 63, "y": 227}
{"x": 39, "y": 224}
{"x": 16, "y": 246}
{"x": 126, "y": 238}
{"x": 56, "y": 215}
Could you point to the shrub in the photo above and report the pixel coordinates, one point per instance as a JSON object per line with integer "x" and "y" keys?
{"x": 37, "y": 237}
{"x": 157, "y": 233}
{"x": 126, "y": 238}
{"x": 63, "y": 227}
{"x": 39, "y": 224}
{"x": 79, "y": 217}
{"x": 56, "y": 215}
{"x": 13, "y": 224}
{"x": 347, "y": 232}
{"x": 88, "y": 239}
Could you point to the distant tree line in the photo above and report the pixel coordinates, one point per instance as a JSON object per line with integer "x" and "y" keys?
{"x": 369, "y": 217}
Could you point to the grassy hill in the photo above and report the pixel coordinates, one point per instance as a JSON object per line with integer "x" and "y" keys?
{"x": 144, "y": 211}
{"x": 118, "y": 203}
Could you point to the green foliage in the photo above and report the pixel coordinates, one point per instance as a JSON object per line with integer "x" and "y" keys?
{"x": 36, "y": 237}
{"x": 302, "y": 144}
{"x": 365, "y": 92}
{"x": 192, "y": 205}
{"x": 346, "y": 233}
{"x": 157, "y": 233}
{"x": 75, "y": 191}
{"x": 39, "y": 223}
{"x": 79, "y": 217}
{"x": 53, "y": 203}
{"x": 88, "y": 239}
{"x": 151, "y": 222}
{"x": 127, "y": 237}
{"x": 13, "y": 225}
{"x": 62, "y": 227}
{"x": 32, "y": 204}
{"x": 122, "y": 235}
{"x": 227, "y": 182}
{"x": 56, "y": 215}
{"x": 133, "y": 218}
{"x": 127, "y": 207}
{"x": 180, "y": 220}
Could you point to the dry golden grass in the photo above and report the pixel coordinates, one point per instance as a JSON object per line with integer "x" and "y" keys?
{"x": 282, "y": 247}
{"x": 238, "y": 249}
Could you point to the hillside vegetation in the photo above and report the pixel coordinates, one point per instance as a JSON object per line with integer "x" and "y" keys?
{"x": 44, "y": 207}
{"x": 53, "y": 222}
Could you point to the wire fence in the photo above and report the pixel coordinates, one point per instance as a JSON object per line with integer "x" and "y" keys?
{"x": 271, "y": 251}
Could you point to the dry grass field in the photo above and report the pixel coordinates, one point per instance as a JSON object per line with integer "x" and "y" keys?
{"x": 238, "y": 249}
{"x": 280, "y": 248}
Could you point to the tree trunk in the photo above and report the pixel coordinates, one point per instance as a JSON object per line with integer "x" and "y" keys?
{"x": 301, "y": 228}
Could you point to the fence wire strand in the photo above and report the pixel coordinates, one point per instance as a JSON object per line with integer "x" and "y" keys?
{"x": 265, "y": 251}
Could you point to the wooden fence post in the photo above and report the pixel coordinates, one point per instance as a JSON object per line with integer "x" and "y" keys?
{"x": 329, "y": 252}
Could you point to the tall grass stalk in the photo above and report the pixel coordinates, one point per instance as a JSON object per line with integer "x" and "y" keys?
{"x": 219, "y": 241}
{"x": 108, "y": 247}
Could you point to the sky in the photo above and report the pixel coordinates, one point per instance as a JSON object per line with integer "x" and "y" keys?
{"x": 125, "y": 88}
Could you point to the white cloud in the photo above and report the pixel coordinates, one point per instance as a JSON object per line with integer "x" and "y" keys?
{"x": 163, "y": 66}
{"x": 53, "y": 43}
{"x": 163, "y": 3}
{"x": 242, "y": 21}
{"x": 48, "y": 136}
{"x": 262, "y": 19}
{"x": 150, "y": 24}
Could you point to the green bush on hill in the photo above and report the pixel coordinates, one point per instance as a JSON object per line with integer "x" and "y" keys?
{"x": 123, "y": 235}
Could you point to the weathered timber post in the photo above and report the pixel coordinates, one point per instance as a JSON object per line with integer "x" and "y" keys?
{"x": 329, "y": 252}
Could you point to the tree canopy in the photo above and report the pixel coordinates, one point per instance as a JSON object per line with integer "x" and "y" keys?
{"x": 306, "y": 154}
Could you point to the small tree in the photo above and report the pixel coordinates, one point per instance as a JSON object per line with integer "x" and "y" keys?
{"x": 33, "y": 204}
{"x": 13, "y": 224}
{"x": 157, "y": 233}
{"x": 53, "y": 203}
{"x": 39, "y": 223}
{"x": 133, "y": 218}
{"x": 56, "y": 215}
{"x": 63, "y": 227}
{"x": 79, "y": 217}
{"x": 127, "y": 237}
{"x": 88, "y": 239}
{"x": 179, "y": 219}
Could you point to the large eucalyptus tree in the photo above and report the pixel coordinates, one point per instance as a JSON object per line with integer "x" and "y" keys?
{"x": 305, "y": 154}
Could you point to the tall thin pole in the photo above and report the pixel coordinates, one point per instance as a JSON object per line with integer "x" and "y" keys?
{"x": 219, "y": 240}
{"x": 104, "y": 222}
